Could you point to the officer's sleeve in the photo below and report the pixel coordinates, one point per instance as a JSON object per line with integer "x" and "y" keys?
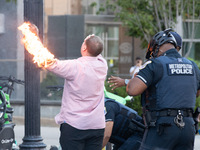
{"x": 110, "y": 111}
{"x": 150, "y": 72}
{"x": 197, "y": 74}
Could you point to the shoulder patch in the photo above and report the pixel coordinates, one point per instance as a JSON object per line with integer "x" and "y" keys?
{"x": 180, "y": 69}
{"x": 145, "y": 64}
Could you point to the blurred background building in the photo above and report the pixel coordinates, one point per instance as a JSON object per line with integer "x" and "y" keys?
{"x": 11, "y": 49}
{"x": 67, "y": 22}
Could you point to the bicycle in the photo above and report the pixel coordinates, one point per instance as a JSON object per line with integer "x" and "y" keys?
{"x": 7, "y": 136}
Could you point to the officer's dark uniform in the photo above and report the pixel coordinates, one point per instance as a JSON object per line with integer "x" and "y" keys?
{"x": 169, "y": 102}
{"x": 126, "y": 134}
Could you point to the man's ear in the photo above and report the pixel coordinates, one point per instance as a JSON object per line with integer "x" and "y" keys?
{"x": 84, "y": 47}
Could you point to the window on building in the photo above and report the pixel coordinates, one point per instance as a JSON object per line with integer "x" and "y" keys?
{"x": 191, "y": 39}
{"x": 88, "y": 9}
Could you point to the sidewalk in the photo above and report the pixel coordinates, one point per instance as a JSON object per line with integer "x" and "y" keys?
{"x": 51, "y": 135}
{"x": 197, "y": 142}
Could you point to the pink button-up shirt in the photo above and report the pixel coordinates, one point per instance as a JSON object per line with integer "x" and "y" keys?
{"x": 83, "y": 95}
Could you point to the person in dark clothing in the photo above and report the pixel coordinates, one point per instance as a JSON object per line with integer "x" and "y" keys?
{"x": 119, "y": 82}
{"x": 170, "y": 83}
{"x": 124, "y": 127}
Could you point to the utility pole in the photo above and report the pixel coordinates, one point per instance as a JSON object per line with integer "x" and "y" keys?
{"x": 33, "y": 12}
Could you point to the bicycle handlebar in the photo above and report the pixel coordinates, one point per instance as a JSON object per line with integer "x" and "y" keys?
{"x": 12, "y": 79}
{"x": 55, "y": 88}
{"x": 6, "y": 85}
{"x": 9, "y": 85}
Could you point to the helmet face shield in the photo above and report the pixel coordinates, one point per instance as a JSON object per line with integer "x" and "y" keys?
{"x": 150, "y": 49}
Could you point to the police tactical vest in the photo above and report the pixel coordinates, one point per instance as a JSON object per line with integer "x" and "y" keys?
{"x": 178, "y": 85}
{"x": 121, "y": 129}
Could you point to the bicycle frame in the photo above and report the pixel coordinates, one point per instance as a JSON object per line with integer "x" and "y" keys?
{"x": 6, "y": 133}
{"x": 7, "y": 136}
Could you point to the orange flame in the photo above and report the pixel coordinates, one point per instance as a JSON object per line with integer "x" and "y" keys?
{"x": 34, "y": 46}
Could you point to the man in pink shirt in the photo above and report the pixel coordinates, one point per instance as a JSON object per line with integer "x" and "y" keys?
{"x": 81, "y": 117}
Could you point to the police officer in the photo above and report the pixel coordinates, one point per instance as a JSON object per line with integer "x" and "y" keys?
{"x": 119, "y": 82}
{"x": 124, "y": 127}
{"x": 170, "y": 83}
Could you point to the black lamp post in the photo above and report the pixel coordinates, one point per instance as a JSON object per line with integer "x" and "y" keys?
{"x": 33, "y": 12}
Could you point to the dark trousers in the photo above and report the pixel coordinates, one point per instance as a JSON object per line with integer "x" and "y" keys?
{"x": 132, "y": 143}
{"x": 167, "y": 136}
{"x": 75, "y": 139}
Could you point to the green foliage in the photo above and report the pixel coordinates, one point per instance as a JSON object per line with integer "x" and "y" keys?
{"x": 121, "y": 91}
{"x": 197, "y": 102}
{"x": 135, "y": 104}
{"x": 93, "y": 4}
{"x": 190, "y": 6}
{"x": 144, "y": 18}
{"x": 196, "y": 61}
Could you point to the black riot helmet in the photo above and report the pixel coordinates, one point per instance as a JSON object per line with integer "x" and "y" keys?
{"x": 158, "y": 40}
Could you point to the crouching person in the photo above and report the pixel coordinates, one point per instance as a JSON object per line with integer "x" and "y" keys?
{"x": 124, "y": 127}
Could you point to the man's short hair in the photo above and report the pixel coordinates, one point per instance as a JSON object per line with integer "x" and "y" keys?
{"x": 138, "y": 58}
{"x": 94, "y": 45}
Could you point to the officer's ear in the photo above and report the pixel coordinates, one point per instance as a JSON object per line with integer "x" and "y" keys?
{"x": 178, "y": 48}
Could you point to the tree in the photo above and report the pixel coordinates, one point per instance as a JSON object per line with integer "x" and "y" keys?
{"x": 144, "y": 18}
{"x": 190, "y": 13}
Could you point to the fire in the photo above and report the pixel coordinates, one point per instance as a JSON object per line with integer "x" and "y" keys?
{"x": 34, "y": 46}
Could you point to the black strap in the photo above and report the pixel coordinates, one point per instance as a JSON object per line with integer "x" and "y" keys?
{"x": 174, "y": 112}
{"x": 132, "y": 116}
{"x": 125, "y": 113}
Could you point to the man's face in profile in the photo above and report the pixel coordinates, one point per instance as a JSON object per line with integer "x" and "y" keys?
{"x": 138, "y": 62}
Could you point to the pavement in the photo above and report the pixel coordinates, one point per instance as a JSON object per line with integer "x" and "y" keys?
{"x": 197, "y": 142}
{"x": 51, "y": 135}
